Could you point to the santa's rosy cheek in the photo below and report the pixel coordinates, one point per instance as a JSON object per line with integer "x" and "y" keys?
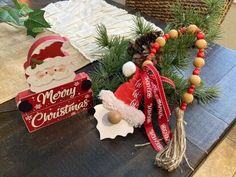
{"x": 61, "y": 68}
{"x": 40, "y": 75}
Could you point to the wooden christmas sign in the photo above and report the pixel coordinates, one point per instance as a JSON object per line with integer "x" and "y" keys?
{"x": 55, "y": 91}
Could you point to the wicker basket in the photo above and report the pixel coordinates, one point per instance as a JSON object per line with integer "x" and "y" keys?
{"x": 161, "y": 9}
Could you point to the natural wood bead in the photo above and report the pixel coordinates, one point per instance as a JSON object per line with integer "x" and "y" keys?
{"x": 195, "y": 80}
{"x": 114, "y": 117}
{"x": 173, "y": 34}
{"x": 146, "y": 62}
{"x": 187, "y": 97}
{"x": 199, "y": 62}
{"x": 161, "y": 41}
{"x": 201, "y": 44}
{"x": 192, "y": 29}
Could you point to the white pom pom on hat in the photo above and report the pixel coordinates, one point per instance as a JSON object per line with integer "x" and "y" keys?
{"x": 129, "y": 68}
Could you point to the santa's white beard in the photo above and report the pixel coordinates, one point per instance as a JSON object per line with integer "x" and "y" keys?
{"x": 49, "y": 82}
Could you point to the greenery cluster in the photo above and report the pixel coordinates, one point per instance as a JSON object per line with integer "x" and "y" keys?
{"x": 208, "y": 20}
{"x": 108, "y": 74}
{"x": 22, "y": 15}
{"x": 176, "y": 55}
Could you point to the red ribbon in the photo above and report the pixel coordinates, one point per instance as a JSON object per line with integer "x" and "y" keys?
{"x": 153, "y": 88}
{"x": 147, "y": 89}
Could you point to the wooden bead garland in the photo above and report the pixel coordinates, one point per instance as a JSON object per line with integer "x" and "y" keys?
{"x": 187, "y": 97}
{"x": 195, "y": 80}
{"x": 171, "y": 157}
{"x": 161, "y": 41}
{"x": 201, "y": 44}
{"x": 192, "y": 29}
{"x": 199, "y": 61}
{"x": 173, "y": 34}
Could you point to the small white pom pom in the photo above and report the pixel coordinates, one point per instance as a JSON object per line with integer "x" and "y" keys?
{"x": 129, "y": 68}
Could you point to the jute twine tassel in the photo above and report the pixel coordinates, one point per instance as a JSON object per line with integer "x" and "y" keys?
{"x": 170, "y": 158}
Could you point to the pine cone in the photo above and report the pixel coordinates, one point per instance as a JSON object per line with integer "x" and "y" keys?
{"x": 140, "y": 49}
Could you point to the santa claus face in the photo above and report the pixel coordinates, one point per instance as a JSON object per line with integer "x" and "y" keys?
{"x": 51, "y": 73}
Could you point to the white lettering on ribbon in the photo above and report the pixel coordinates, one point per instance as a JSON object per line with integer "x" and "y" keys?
{"x": 160, "y": 111}
{"x": 153, "y": 136}
{"x": 165, "y": 133}
{"x": 53, "y": 97}
{"x": 136, "y": 93}
{"x": 149, "y": 91}
{"x": 138, "y": 84}
{"x": 134, "y": 103}
{"x": 149, "y": 113}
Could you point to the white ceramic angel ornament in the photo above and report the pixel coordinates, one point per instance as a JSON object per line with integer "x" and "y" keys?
{"x": 118, "y": 115}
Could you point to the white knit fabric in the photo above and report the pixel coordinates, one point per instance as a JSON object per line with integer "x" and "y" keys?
{"x": 132, "y": 115}
{"x": 77, "y": 20}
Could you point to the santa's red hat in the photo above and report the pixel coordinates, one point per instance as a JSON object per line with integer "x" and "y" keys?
{"x": 53, "y": 49}
{"x": 126, "y": 100}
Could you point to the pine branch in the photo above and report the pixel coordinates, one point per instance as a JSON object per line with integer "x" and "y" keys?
{"x": 177, "y": 52}
{"x": 208, "y": 20}
{"x": 202, "y": 94}
{"x": 215, "y": 7}
{"x": 102, "y": 39}
{"x": 205, "y": 95}
{"x": 108, "y": 75}
{"x": 141, "y": 26}
{"x": 181, "y": 85}
{"x": 116, "y": 56}
{"x": 214, "y": 33}
{"x": 105, "y": 41}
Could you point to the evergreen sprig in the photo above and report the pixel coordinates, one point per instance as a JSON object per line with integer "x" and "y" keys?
{"x": 207, "y": 20}
{"x": 102, "y": 39}
{"x": 108, "y": 73}
{"x": 205, "y": 94}
{"x": 177, "y": 52}
{"x": 141, "y": 27}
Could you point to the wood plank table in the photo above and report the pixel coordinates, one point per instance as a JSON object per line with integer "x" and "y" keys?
{"x": 71, "y": 148}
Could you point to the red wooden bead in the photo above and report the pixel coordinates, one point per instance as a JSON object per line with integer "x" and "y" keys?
{"x": 155, "y": 46}
{"x": 201, "y": 50}
{"x": 196, "y": 71}
{"x": 192, "y": 86}
{"x": 198, "y": 30}
{"x": 184, "y": 103}
{"x": 201, "y": 54}
{"x": 166, "y": 36}
{"x": 150, "y": 56}
{"x": 154, "y": 51}
{"x": 183, "y": 30}
{"x": 180, "y": 32}
{"x": 200, "y": 35}
{"x": 191, "y": 90}
{"x": 183, "y": 106}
